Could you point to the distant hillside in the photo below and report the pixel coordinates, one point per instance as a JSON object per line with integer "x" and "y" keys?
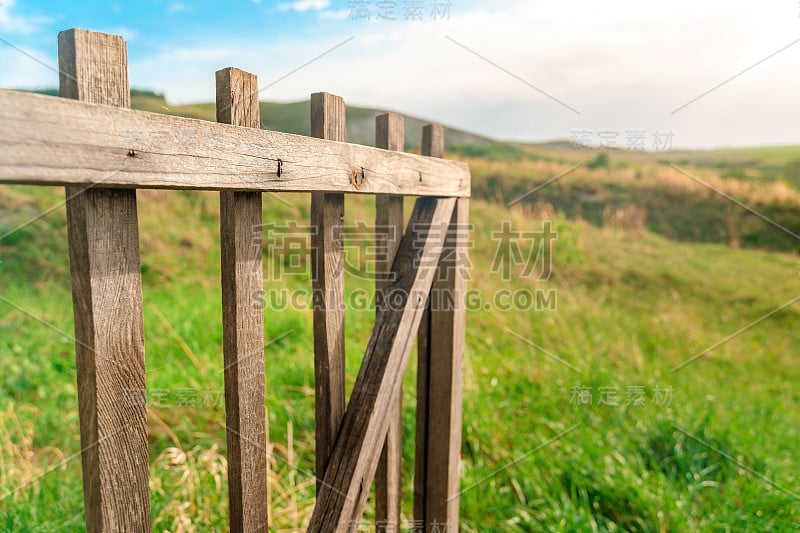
{"x": 295, "y": 118}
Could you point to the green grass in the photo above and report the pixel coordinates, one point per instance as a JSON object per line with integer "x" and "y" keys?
{"x": 492, "y": 152}
{"x": 631, "y": 306}
{"x": 650, "y": 270}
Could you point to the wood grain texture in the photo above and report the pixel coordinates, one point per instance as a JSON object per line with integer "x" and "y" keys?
{"x": 432, "y": 140}
{"x": 355, "y": 455}
{"x": 237, "y": 98}
{"x": 439, "y": 375}
{"x": 328, "y": 117}
{"x": 48, "y": 140}
{"x": 243, "y": 322}
{"x": 107, "y": 302}
{"x": 93, "y": 68}
{"x": 389, "y": 135}
{"x": 327, "y": 259}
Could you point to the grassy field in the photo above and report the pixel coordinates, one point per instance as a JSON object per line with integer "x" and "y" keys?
{"x": 578, "y": 418}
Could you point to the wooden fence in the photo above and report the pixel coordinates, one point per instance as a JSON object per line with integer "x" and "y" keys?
{"x": 102, "y": 152}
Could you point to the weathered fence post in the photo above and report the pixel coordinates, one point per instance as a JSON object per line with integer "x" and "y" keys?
{"x": 243, "y": 321}
{"x": 107, "y": 301}
{"x": 327, "y": 263}
{"x": 439, "y": 375}
{"x": 389, "y": 135}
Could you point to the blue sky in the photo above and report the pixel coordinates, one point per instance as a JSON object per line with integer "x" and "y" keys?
{"x": 516, "y": 69}
{"x": 151, "y": 25}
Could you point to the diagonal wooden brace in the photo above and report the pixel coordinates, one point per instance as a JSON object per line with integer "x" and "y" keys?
{"x": 354, "y": 459}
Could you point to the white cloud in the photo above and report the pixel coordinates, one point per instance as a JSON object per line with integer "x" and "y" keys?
{"x": 10, "y": 23}
{"x": 339, "y": 14}
{"x": 179, "y": 7}
{"x": 304, "y": 5}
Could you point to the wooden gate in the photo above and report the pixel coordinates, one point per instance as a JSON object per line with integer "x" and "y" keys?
{"x": 102, "y": 152}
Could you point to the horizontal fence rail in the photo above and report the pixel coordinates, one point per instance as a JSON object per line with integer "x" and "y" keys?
{"x": 91, "y": 142}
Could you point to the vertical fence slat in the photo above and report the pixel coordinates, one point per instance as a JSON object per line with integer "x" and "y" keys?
{"x": 441, "y": 352}
{"x": 327, "y": 212}
{"x": 242, "y": 321}
{"x": 432, "y": 146}
{"x": 389, "y": 135}
{"x": 354, "y": 460}
{"x": 107, "y": 301}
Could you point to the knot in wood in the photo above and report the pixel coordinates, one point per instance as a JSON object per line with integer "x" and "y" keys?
{"x": 358, "y": 178}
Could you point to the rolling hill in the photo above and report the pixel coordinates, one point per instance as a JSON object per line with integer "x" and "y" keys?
{"x": 294, "y": 117}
